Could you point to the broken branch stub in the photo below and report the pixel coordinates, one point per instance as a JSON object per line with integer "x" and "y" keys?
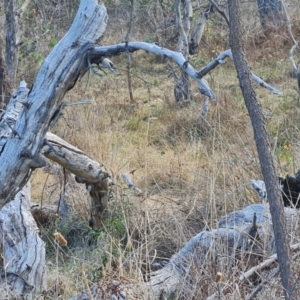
{"x": 72, "y": 159}
{"x": 87, "y": 171}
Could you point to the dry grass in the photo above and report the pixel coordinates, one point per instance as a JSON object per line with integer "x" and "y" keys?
{"x": 190, "y": 173}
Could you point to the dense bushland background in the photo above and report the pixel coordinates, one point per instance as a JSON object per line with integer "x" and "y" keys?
{"x": 191, "y": 172}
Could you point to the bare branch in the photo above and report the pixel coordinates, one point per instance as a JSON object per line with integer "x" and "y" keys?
{"x": 293, "y": 64}
{"x": 11, "y": 114}
{"x": 221, "y": 12}
{"x": 24, "y": 7}
{"x": 72, "y": 159}
{"x": 288, "y": 24}
{"x": 176, "y": 56}
{"x": 220, "y": 60}
{"x": 130, "y": 185}
{"x": 87, "y": 171}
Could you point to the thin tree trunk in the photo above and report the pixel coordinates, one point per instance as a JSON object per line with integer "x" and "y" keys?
{"x": 11, "y": 47}
{"x": 128, "y": 64}
{"x": 182, "y": 90}
{"x": 4, "y": 91}
{"x": 263, "y": 146}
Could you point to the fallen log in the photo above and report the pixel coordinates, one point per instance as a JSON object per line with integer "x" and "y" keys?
{"x": 243, "y": 233}
{"x": 233, "y": 238}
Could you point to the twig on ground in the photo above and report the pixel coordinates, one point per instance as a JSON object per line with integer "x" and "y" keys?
{"x": 130, "y": 185}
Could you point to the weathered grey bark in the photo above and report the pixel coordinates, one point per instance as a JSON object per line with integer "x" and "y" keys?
{"x": 237, "y": 236}
{"x": 59, "y": 72}
{"x": 182, "y": 89}
{"x": 72, "y": 159}
{"x": 263, "y": 146}
{"x": 233, "y": 237}
{"x": 87, "y": 171}
{"x": 24, "y": 269}
{"x": 22, "y": 149}
{"x": 177, "y": 57}
{"x": 271, "y": 13}
{"x": 220, "y": 60}
{"x": 197, "y": 33}
{"x": 11, "y": 113}
{"x": 136, "y": 191}
{"x": 184, "y": 25}
{"x": 180, "y": 60}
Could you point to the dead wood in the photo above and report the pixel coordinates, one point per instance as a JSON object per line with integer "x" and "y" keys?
{"x": 136, "y": 191}
{"x": 87, "y": 171}
{"x": 23, "y": 268}
{"x": 232, "y": 238}
{"x": 220, "y": 60}
{"x": 73, "y": 159}
{"x": 58, "y": 73}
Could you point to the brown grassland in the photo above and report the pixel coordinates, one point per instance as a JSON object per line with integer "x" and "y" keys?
{"x": 191, "y": 173}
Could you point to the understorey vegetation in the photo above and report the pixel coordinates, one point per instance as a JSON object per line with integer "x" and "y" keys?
{"x": 141, "y": 181}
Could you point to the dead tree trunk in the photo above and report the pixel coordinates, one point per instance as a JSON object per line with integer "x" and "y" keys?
{"x": 59, "y": 72}
{"x": 263, "y": 146}
{"x": 188, "y": 43}
{"x": 197, "y": 33}
{"x": 182, "y": 90}
{"x": 23, "y": 270}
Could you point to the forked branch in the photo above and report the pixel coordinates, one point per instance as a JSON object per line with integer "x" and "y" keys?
{"x": 114, "y": 50}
